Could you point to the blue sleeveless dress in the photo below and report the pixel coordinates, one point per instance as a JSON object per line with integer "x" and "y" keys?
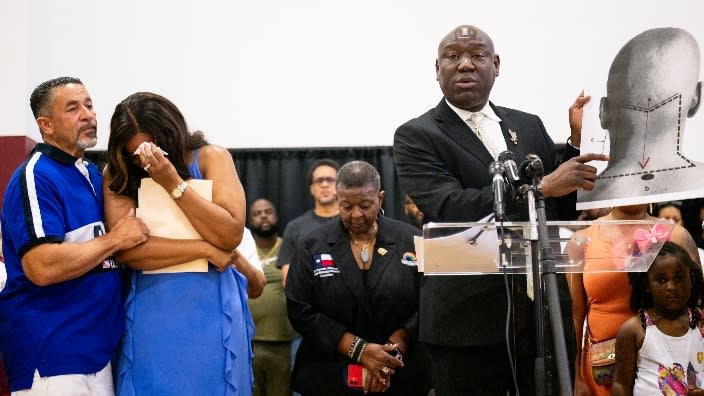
{"x": 187, "y": 333}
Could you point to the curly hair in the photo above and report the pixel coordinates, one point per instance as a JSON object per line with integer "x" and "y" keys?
{"x": 641, "y": 298}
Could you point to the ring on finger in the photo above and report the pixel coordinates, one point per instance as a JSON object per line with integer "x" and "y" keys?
{"x": 386, "y": 370}
{"x": 146, "y": 168}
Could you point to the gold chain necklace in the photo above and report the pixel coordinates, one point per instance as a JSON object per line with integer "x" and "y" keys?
{"x": 364, "y": 253}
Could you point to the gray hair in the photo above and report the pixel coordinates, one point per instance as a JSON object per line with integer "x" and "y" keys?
{"x": 358, "y": 174}
{"x": 42, "y": 96}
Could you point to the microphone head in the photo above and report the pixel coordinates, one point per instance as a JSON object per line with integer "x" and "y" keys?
{"x": 531, "y": 167}
{"x": 509, "y": 160}
{"x": 496, "y": 168}
{"x": 507, "y": 155}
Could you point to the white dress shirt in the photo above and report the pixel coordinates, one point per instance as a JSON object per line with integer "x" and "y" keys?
{"x": 486, "y": 125}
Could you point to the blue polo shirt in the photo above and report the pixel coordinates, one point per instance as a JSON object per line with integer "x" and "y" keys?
{"x": 71, "y": 327}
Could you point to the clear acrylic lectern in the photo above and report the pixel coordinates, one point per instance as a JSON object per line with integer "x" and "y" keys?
{"x": 578, "y": 246}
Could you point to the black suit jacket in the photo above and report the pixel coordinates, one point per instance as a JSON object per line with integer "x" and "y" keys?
{"x": 443, "y": 167}
{"x": 325, "y": 301}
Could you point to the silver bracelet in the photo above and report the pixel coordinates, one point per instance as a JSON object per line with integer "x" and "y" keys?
{"x": 569, "y": 141}
{"x": 358, "y": 356}
{"x": 353, "y": 347}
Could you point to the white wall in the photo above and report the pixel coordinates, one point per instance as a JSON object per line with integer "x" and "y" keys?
{"x": 312, "y": 73}
{"x": 14, "y": 99}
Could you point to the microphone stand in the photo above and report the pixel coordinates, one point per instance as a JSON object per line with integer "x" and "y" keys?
{"x": 539, "y": 240}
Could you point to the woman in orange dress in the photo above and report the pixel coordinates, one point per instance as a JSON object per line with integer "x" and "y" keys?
{"x": 602, "y": 298}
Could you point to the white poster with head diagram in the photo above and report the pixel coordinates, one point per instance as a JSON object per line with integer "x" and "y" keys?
{"x": 647, "y": 117}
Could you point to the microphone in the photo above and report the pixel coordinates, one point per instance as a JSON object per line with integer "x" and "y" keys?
{"x": 509, "y": 160}
{"x": 496, "y": 170}
{"x": 531, "y": 168}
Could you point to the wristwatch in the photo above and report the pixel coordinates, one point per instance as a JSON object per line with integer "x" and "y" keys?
{"x": 177, "y": 192}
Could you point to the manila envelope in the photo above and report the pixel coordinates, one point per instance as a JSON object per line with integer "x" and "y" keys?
{"x": 165, "y": 219}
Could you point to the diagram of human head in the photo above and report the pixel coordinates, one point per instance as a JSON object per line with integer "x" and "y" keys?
{"x": 652, "y": 89}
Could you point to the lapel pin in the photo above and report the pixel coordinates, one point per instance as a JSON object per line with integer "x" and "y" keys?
{"x": 514, "y": 136}
{"x": 381, "y": 251}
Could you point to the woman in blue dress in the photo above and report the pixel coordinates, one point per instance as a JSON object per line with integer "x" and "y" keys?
{"x": 187, "y": 333}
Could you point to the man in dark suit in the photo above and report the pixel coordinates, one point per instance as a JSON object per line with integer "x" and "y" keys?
{"x": 442, "y": 158}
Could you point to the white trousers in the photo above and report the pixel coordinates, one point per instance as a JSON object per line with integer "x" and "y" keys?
{"x": 97, "y": 384}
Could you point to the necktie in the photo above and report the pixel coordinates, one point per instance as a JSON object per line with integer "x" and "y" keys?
{"x": 478, "y": 122}
{"x": 489, "y": 132}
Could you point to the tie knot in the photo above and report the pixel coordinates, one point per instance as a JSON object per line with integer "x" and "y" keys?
{"x": 477, "y": 117}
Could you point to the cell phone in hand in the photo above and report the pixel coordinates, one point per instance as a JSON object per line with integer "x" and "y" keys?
{"x": 356, "y": 374}
{"x": 397, "y": 354}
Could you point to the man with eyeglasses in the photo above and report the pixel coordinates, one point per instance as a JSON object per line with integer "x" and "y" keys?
{"x": 321, "y": 179}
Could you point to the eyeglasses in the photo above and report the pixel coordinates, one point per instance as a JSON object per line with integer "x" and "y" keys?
{"x": 321, "y": 180}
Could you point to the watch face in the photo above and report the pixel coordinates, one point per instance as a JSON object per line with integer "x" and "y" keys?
{"x": 177, "y": 192}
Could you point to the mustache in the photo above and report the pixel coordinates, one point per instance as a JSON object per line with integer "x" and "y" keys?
{"x": 89, "y": 125}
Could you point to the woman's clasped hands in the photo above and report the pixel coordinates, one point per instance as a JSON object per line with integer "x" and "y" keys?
{"x": 381, "y": 361}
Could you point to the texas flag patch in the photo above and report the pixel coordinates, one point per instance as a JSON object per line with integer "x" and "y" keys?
{"x": 324, "y": 265}
{"x": 325, "y": 260}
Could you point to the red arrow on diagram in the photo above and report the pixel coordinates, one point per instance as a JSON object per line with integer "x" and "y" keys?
{"x": 645, "y": 161}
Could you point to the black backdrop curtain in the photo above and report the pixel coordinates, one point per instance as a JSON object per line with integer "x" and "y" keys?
{"x": 281, "y": 175}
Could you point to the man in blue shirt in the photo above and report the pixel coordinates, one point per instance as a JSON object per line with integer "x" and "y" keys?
{"x": 61, "y": 315}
